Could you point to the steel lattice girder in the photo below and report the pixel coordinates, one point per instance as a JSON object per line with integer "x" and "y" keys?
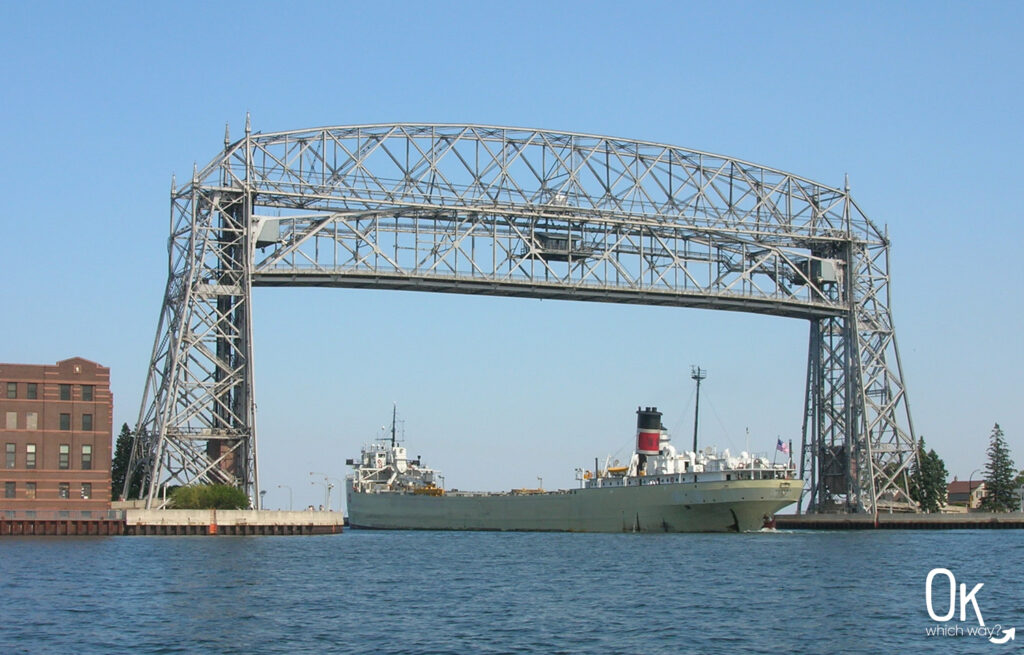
{"x": 519, "y": 212}
{"x": 197, "y": 422}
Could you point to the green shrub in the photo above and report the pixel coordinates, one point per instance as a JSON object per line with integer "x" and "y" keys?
{"x": 209, "y": 496}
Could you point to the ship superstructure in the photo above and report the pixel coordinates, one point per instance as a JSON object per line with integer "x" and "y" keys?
{"x": 656, "y": 459}
{"x": 384, "y": 466}
{"x": 660, "y": 490}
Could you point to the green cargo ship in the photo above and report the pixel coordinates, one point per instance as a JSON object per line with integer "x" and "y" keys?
{"x": 661, "y": 490}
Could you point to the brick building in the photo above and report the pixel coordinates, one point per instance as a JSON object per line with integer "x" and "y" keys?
{"x": 55, "y": 432}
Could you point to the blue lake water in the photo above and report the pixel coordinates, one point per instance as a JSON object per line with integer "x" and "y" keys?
{"x": 456, "y": 592}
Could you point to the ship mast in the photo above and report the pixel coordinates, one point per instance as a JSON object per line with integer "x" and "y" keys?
{"x": 698, "y": 374}
{"x": 394, "y": 415}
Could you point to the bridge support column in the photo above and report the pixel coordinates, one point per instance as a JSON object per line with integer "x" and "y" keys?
{"x": 197, "y": 422}
{"x": 858, "y": 444}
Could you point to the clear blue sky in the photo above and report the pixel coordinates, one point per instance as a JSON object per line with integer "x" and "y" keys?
{"x": 919, "y": 102}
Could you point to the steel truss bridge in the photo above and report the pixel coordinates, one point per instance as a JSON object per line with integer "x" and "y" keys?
{"x": 508, "y": 211}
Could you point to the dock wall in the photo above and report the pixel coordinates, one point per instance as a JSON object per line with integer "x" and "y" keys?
{"x": 230, "y": 522}
{"x": 969, "y": 521}
{"x": 60, "y": 527}
{"x": 168, "y": 522}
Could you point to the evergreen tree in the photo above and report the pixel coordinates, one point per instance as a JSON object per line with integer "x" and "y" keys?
{"x": 119, "y": 465}
{"x": 928, "y": 480}
{"x": 999, "y": 475}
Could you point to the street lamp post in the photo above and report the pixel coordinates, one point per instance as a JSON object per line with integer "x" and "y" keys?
{"x": 327, "y": 493}
{"x": 328, "y": 486}
{"x": 340, "y": 486}
{"x": 284, "y": 486}
{"x": 970, "y": 489}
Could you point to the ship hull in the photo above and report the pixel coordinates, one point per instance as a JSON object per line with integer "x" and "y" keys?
{"x": 734, "y": 506}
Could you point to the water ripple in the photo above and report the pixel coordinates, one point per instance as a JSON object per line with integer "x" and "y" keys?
{"x": 434, "y": 592}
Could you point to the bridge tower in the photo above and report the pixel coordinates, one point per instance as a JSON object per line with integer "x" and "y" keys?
{"x": 530, "y": 213}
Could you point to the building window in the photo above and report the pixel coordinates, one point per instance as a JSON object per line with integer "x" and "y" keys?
{"x": 30, "y": 490}
{"x": 64, "y": 490}
{"x": 12, "y": 420}
{"x": 65, "y": 421}
{"x": 86, "y": 490}
{"x": 86, "y": 457}
{"x": 9, "y": 490}
{"x": 31, "y": 421}
{"x": 32, "y": 392}
{"x": 65, "y": 392}
{"x": 30, "y": 456}
{"x": 9, "y": 451}
{"x": 65, "y": 456}
{"x": 87, "y": 422}
{"x": 87, "y": 392}
{"x": 12, "y": 389}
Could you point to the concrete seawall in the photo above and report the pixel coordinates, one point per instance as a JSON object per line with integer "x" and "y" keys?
{"x": 230, "y": 522}
{"x": 971, "y": 521}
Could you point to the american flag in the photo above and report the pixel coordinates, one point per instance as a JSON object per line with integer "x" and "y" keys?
{"x": 782, "y": 448}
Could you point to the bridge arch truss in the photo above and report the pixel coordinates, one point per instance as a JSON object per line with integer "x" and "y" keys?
{"x": 520, "y": 212}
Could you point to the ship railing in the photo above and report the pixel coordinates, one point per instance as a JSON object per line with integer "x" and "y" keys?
{"x": 725, "y": 475}
{"x": 776, "y": 473}
{"x": 470, "y": 494}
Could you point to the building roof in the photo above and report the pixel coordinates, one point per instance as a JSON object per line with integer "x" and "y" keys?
{"x": 78, "y": 360}
{"x": 964, "y": 486}
{"x": 70, "y": 361}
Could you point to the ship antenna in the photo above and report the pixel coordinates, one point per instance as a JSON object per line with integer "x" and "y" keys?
{"x": 698, "y": 374}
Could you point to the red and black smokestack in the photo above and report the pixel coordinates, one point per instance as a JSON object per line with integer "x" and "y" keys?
{"x": 648, "y": 430}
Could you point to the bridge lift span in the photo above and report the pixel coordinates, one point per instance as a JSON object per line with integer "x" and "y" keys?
{"x": 507, "y": 211}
